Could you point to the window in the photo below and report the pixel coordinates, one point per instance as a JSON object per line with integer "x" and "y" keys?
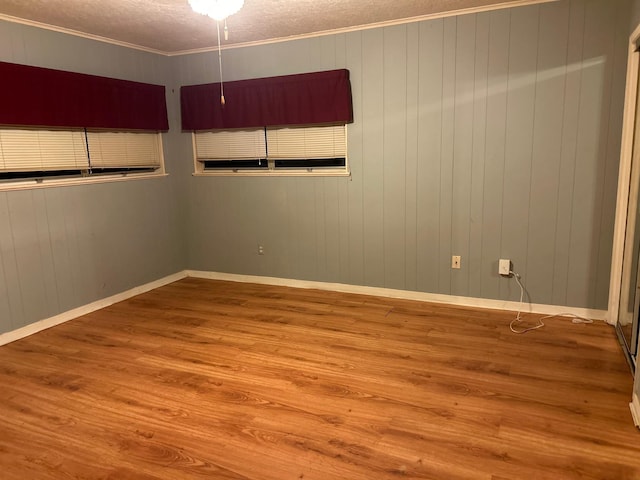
{"x": 285, "y": 125}
{"x": 293, "y": 150}
{"x": 38, "y": 155}
{"x": 58, "y": 125}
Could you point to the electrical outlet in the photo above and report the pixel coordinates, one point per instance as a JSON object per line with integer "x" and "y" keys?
{"x": 504, "y": 266}
{"x": 260, "y": 250}
{"x": 455, "y": 261}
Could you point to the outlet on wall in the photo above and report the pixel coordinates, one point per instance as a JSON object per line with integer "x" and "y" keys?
{"x": 504, "y": 266}
{"x": 455, "y": 261}
{"x": 260, "y": 250}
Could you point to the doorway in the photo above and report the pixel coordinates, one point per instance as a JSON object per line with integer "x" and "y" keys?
{"x": 624, "y": 299}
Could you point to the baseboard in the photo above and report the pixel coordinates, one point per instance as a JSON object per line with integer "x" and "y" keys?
{"x": 634, "y": 406}
{"x": 403, "y": 294}
{"x": 85, "y": 309}
{"x": 288, "y": 282}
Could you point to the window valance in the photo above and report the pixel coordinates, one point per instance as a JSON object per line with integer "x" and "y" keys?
{"x": 35, "y": 96}
{"x": 303, "y": 99}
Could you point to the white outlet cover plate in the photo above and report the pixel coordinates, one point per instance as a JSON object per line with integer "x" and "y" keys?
{"x": 504, "y": 266}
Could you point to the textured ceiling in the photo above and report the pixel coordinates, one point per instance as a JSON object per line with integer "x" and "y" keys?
{"x": 171, "y": 26}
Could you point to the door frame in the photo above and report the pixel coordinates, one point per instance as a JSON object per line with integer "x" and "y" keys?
{"x": 624, "y": 177}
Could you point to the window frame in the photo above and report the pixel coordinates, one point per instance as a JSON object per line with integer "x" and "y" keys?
{"x": 84, "y": 176}
{"x": 272, "y": 170}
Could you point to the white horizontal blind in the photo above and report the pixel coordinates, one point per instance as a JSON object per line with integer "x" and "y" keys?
{"x": 27, "y": 150}
{"x": 124, "y": 149}
{"x": 307, "y": 142}
{"x": 230, "y": 145}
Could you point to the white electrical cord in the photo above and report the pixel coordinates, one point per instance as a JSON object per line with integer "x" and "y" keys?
{"x": 518, "y": 318}
{"x": 540, "y": 324}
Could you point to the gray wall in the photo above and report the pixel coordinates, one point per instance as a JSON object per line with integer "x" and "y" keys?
{"x": 61, "y": 248}
{"x": 489, "y": 136}
{"x": 486, "y": 136}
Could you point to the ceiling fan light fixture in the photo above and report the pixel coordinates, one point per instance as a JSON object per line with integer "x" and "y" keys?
{"x": 216, "y": 9}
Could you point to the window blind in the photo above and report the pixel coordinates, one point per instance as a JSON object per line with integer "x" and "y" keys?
{"x": 306, "y": 142}
{"x": 24, "y": 150}
{"x": 124, "y": 150}
{"x": 230, "y": 145}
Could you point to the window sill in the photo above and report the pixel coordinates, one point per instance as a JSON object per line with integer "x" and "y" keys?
{"x": 274, "y": 173}
{"x": 67, "y": 182}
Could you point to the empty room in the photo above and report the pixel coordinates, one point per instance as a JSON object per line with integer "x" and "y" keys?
{"x": 318, "y": 240}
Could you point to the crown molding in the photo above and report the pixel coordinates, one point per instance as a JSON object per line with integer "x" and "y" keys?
{"x": 389, "y": 23}
{"x": 368, "y": 26}
{"x": 77, "y": 33}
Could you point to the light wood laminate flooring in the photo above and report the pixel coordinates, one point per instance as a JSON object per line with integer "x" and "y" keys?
{"x": 223, "y": 380}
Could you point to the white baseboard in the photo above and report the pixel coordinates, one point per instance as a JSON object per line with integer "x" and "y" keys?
{"x": 287, "y": 282}
{"x": 403, "y": 294}
{"x": 634, "y": 406}
{"x": 85, "y": 309}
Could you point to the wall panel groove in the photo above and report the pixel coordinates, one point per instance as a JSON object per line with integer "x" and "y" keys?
{"x": 489, "y": 136}
{"x": 64, "y": 247}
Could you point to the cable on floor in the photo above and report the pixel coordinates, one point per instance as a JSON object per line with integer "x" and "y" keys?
{"x": 574, "y": 318}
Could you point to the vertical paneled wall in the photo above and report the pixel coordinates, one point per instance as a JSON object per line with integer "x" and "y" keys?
{"x": 486, "y": 136}
{"x": 62, "y": 248}
{"x": 493, "y": 135}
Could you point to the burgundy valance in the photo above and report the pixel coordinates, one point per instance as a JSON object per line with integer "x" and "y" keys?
{"x": 303, "y": 99}
{"x": 55, "y": 98}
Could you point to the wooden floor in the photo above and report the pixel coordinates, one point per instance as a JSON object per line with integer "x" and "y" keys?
{"x": 219, "y": 380}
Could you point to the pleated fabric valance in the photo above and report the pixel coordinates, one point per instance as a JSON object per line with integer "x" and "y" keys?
{"x": 35, "y": 96}
{"x": 303, "y": 99}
